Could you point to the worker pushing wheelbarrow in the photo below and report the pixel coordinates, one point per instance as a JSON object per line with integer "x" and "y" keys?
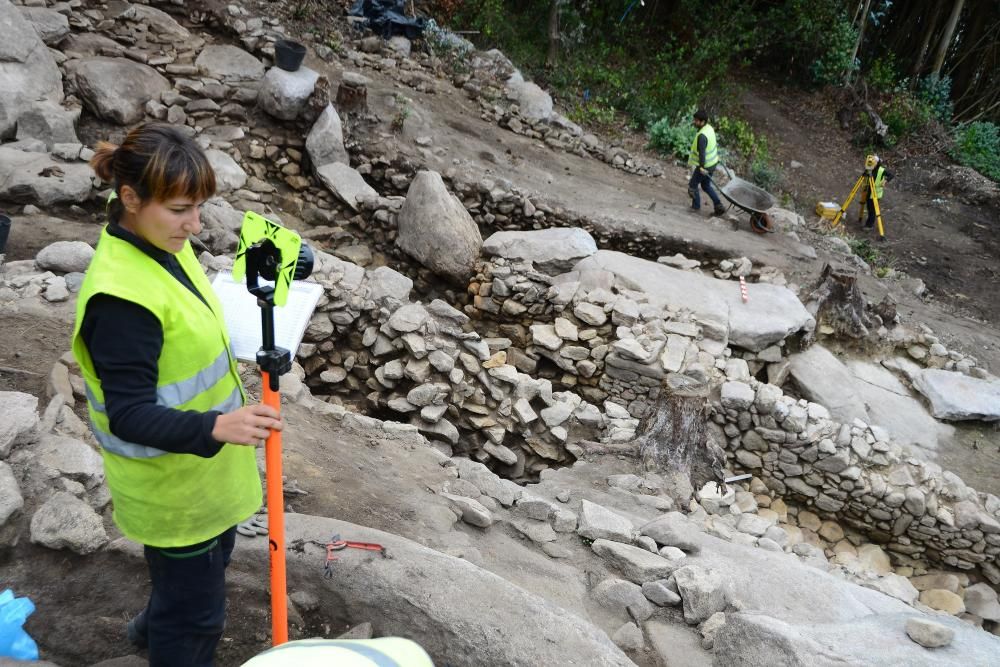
{"x": 748, "y": 197}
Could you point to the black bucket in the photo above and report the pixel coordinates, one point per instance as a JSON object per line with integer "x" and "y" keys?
{"x": 4, "y": 231}
{"x": 288, "y": 55}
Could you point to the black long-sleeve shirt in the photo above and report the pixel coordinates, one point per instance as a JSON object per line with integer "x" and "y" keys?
{"x": 124, "y": 340}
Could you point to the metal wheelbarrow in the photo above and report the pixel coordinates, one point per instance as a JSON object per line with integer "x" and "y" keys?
{"x": 746, "y": 196}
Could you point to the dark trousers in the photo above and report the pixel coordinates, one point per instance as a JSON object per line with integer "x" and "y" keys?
{"x": 870, "y": 206}
{"x": 187, "y": 606}
{"x": 705, "y": 182}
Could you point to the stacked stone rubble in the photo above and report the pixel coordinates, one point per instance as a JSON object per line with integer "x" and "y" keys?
{"x": 855, "y": 474}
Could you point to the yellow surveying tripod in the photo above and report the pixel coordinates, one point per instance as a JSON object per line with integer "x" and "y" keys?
{"x": 866, "y": 178}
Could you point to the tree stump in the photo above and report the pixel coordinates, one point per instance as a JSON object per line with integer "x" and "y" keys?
{"x": 352, "y": 94}
{"x": 838, "y": 304}
{"x": 674, "y": 440}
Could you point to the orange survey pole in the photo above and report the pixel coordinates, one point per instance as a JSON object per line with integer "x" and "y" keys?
{"x": 276, "y": 522}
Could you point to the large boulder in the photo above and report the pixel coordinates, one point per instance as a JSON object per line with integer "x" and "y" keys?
{"x": 50, "y": 25}
{"x": 229, "y": 64}
{"x": 28, "y": 72}
{"x": 552, "y": 251}
{"x": 65, "y": 257}
{"x": 533, "y": 102}
{"x": 50, "y": 123}
{"x": 18, "y": 420}
{"x": 117, "y": 89}
{"x": 772, "y": 312}
{"x": 447, "y": 604}
{"x": 958, "y": 397}
{"x": 70, "y": 458}
{"x": 34, "y": 178}
{"x": 158, "y": 21}
{"x": 284, "y": 94}
{"x": 436, "y": 230}
{"x": 220, "y": 226}
{"x": 66, "y": 522}
{"x": 325, "y": 143}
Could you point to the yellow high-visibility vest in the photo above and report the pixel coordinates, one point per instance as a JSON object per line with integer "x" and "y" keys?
{"x": 162, "y": 499}
{"x": 711, "y": 148}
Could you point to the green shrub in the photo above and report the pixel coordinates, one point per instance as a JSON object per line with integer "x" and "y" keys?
{"x": 883, "y": 75}
{"x": 905, "y": 114}
{"x": 765, "y": 174}
{"x": 977, "y": 145}
{"x": 673, "y": 136}
{"x": 936, "y": 94}
{"x": 594, "y": 112}
{"x": 835, "y": 47}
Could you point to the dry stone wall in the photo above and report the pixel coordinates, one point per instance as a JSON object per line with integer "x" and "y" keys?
{"x": 854, "y": 474}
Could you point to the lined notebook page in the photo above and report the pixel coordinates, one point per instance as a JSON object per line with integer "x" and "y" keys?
{"x": 243, "y": 315}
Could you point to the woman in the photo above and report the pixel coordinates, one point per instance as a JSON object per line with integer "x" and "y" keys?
{"x": 165, "y": 399}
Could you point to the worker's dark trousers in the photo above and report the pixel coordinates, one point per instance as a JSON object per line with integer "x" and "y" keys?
{"x": 870, "y": 205}
{"x": 187, "y": 607}
{"x": 704, "y": 181}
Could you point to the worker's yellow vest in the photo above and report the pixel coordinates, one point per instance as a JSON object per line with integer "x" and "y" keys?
{"x": 382, "y": 652}
{"x": 163, "y": 499}
{"x": 711, "y": 148}
{"x": 879, "y": 178}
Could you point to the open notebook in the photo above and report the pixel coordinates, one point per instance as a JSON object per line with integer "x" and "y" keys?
{"x": 243, "y": 315}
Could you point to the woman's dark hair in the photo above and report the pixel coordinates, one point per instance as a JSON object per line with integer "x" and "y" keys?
{"x": 156, "y": 161}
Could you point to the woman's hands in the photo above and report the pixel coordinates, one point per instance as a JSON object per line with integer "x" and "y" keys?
{"x": 250, "y": 425}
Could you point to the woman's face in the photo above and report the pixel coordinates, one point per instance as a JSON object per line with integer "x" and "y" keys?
{"x": 167, "y": 224}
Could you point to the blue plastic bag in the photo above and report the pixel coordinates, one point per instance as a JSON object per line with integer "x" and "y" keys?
{"x": 14, "y": 641}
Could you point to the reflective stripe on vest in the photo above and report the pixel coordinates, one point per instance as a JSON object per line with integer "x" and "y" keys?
{"x": 711, "y": 148}
{"x": 879, "y": 181}
{"x": 382, "y": 652}
{"x": 164, "y": 499}
{"x": 116, "y": 445}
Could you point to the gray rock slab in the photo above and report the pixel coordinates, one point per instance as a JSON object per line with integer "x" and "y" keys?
{"x": 385, "y": 283}
{"x": 229, "y": 64}
{"x": 553, "y": 251}
{"x": 956, "y": 397}
{"x": 50, "y": 25}
{"x": 425, "y": 594}
{"x": 66, "y": 522}
{"x": 431, "y": 219}
{"x": 70, "y": 458}
{"x": 488, "y": 483}
{"x": 49, "y": 123}
{"x": 284, "y": 94}
{"x": 34, "y": 178}
{"x": 117, "y": 89}
{"x": 597, "y": 522}
{"x": 220, "y": 225}
{"x": 772, "y": 313}
{"x": 346, "y": 183}
{"x": 18, "y": 420}
{"x": 677, "y": 645}
{"x": 11, "y": 503}
{"x": 750, "y": 638}
{"x": 824, "y": 379}
{"x": 702, "y": 590}
{"x": 229, "y": 175}
{"x": 673, "y": 529}
{"x": 895, "y": 408}
{"x": 325, "y": 143}
{"x": 27, "y": 69}
{"x": 157, "y": 20}
{"x": 636, "y": 564}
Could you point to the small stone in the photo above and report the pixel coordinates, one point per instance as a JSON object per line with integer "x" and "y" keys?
{"x": 942, "y": 600}
{"x": 928, "y": 633}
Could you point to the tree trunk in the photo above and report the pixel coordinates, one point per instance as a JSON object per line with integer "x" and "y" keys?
{"x": 838, "y": 304}
{"x": 674, "y": 440}
{"x": 949, "y": 31}
{"x": 550, "y": 61}
{"x": 857, "y": 43}
{"x": 918, "y": 63}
